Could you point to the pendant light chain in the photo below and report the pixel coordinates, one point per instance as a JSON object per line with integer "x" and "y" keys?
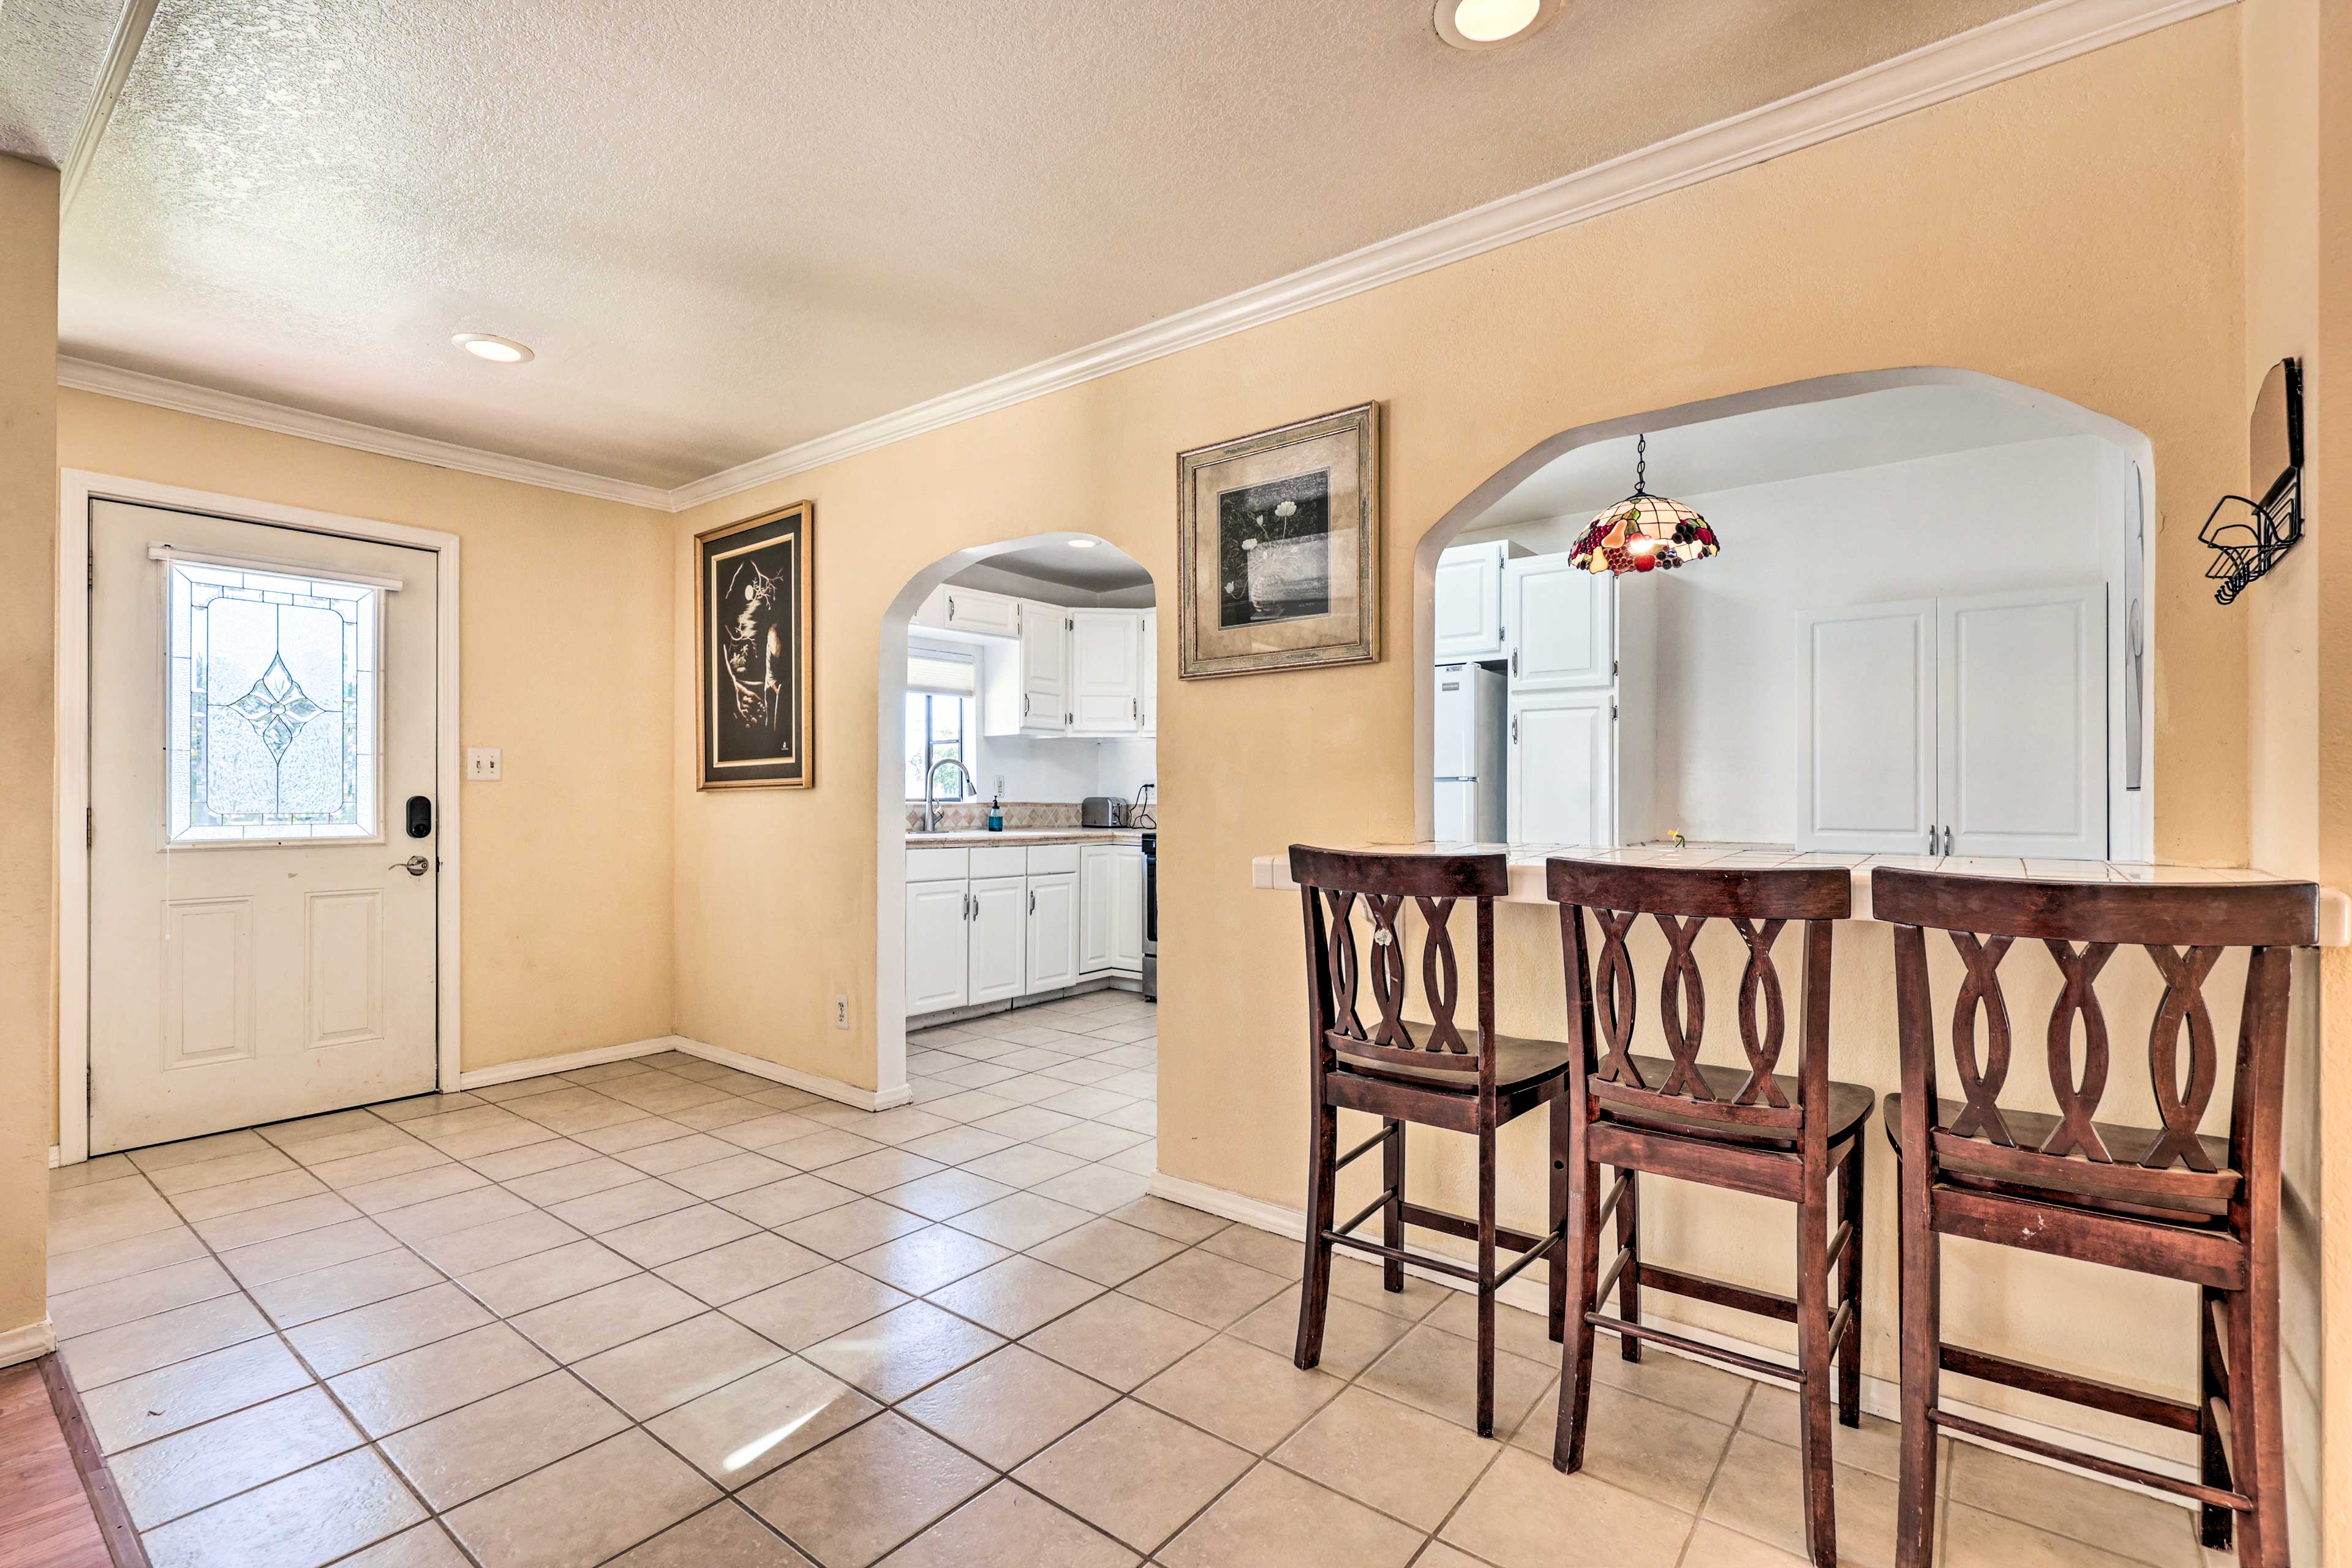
{"x": 1641, "y": 465}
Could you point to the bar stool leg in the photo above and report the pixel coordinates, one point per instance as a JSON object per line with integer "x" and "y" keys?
{"x": 1557, "y": 1112}
{"x": 1849, "y": 1353}
{"x": 1315, "y": 1290}
{"x": 1813, "y": 1353}
{"x": 1923, "y": 1338}
{"x": 1629, "y": 1281}
{"x": 1582, "y": 1249}
{"x": 2259, "y": 1439}
{"x": 1392, "y": 1217}
{"x": 2216, "y": 1524}
{"x": 1486, "y": 1283}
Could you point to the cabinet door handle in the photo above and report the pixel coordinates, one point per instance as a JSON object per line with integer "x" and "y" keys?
{"x": 1515, "y": 729}
{"x": 1032, "y": 900}
{"x": 1025, "y": 706}
{"x": 951, "y": 606}
{"x": 1931, "y": 838}
{"x": 1514, "y": 662}
{"x": 1947, "y": 839}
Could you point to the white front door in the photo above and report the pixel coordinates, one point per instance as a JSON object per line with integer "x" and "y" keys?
{"x": 263, "y": 708}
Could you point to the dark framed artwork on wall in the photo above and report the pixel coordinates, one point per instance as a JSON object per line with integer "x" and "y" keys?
{"x": 1279, "y": 537}
{"x": 752, "y": 651}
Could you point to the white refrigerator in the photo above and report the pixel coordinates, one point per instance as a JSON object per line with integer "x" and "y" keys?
{"x": 1471, "y": 761}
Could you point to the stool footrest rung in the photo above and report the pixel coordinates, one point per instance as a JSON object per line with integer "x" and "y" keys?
{"x": 1718, "y": 1293}
{"x": 1367, "y": 1146}
{"x": 2218, "y": 1497}
{"x": 1755, "y": 1366}
{"x": 2176, "y": 1415}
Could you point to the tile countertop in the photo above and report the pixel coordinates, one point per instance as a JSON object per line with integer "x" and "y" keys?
{"x": 982, "y": 838}
{"x": 1273, "y": 872}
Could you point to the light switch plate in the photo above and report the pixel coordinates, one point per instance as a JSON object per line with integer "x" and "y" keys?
{"x": 482, "y": 765}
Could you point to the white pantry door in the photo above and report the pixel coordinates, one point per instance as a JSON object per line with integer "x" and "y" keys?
{"x": 263, "y": 706}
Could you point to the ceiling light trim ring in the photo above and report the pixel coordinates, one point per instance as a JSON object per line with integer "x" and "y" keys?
{"x": 1446, "y": 19}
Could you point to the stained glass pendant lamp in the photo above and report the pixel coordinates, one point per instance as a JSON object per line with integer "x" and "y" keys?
{"x": 1644, "y": 533}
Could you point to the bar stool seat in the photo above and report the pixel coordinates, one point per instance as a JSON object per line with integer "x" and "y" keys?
{"x": 2082, "y": 1184}
{"x": 1848, "y": 1104}
{"x": 1519, "y": 1063}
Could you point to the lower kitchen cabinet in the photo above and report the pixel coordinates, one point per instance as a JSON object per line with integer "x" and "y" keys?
{"x": 999, "y": 942}
{"x": 996, "y": 923}
{"x": 937, "y": 957}
{"x": 1111, "y": 938}
{"x": 1053, "y": 932}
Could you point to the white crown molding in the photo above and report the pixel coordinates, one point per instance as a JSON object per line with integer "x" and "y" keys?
{"x": 1936, "y": 73}
{"x": 122, "y": 53}
{"x": 160, "y": 392}
{"x": 1933, "y": 74}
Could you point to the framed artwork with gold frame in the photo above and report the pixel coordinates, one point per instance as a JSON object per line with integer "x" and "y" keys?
{"x": 752, "y": 652}
{"x": 1278, "y": 548}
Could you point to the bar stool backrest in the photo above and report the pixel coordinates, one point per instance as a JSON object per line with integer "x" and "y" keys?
{"x": 1758, "y": 904}
{"x": 2185, "y": 930}
{"x": 1332, "y": 883}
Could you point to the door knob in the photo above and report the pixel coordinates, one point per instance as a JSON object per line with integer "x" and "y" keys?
{"x": 415, "y": 866}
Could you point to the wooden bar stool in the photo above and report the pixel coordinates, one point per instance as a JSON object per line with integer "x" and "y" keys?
{"x": 1404, "y": 1070}
{"x": 2168, "y": 1201}
{"x": 1749, "y": 1129}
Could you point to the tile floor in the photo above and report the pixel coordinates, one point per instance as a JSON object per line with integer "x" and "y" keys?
{"x": 661, "y": 1314}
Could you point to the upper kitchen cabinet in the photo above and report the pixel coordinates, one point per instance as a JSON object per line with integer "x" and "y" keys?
{"x": 1044, "y": 631}
{"x": 1469, "y": 620}
{"x": 1105, "y": 672}
{"x": 1147, "y": 657}
{"x": 1563, "y": 624}
{"x": 974, "y": 610}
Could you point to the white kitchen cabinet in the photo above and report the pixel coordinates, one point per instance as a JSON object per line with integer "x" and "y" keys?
{"x": 1053, "y": 933}
{"x": 1468, "y": 606}
{"x": 1105, "y": 672}
{"x": 1127, "y": 909}
{"x": 1110, "y": 928}
{"x": 1563, "y": 624}
{"x": 1960, "y": 726}
{"x": 980, "y": 613}
{"x": 1045, "y": 668}
{"x": 998, "y": 965}
{"x": 938, "y": 963}
{"x": 1563, "y": 787}
{"x": 1149, "y": 662}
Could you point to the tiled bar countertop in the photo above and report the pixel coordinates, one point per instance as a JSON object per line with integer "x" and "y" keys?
{"x": 981, "y": 839}
{"x": 1273, "y": 872}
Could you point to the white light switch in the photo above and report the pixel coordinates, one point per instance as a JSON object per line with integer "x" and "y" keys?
{"x": 482, "y": 765}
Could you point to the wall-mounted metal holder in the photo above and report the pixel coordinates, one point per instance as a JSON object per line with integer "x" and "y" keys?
{"x": 2243, "y": 550}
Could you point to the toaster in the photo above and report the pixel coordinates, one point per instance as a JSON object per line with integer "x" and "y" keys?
{"x": 1102, "y": 811}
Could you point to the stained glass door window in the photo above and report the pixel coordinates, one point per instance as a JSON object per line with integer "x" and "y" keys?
{"x": 274, "y": 688}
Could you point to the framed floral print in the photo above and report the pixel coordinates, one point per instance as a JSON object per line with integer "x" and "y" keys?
{"x": 752, "y": 651}
{"x": 1278, "y": 545}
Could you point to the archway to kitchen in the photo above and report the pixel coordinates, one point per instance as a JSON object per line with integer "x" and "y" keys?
{"x": 1928, "y": 616}
{"x": 1018, "y": 680}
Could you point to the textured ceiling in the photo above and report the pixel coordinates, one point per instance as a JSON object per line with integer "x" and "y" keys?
{"x": 731, "y": 226}
{"x": 51, "y": 52}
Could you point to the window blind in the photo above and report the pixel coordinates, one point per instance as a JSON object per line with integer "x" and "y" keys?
{"x": 942, "y": 672}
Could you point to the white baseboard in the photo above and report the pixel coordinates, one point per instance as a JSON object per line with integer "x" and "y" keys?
{"x": 539, "y": 1067}
{"x": 22, "y": 1344}
{"x": 1880, "y": 1396}
{"x": 793, "y": 1078}
{"x": 57, "y": 1157}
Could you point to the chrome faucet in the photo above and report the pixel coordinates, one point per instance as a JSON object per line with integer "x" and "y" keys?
{"x": 930, "y": 780}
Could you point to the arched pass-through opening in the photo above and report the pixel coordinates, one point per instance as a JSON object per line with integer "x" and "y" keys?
{"x": 1890, "y": 428}
{"x": 1097, "y": 575}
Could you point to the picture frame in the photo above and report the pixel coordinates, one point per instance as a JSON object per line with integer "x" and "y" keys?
{"x": 1278, "y": 548}
{"x": 754, "y": 652}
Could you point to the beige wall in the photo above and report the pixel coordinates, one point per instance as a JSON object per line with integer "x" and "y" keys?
{"x": 2077, "y": 231}
{"x": 564, "y": 642}
{"x": 29, "y": 526}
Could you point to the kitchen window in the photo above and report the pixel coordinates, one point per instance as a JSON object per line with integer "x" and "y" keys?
{"x": 939, "y": 721}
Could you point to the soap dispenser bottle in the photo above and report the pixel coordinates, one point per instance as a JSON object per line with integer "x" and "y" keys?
{"x": 996, "y": 814}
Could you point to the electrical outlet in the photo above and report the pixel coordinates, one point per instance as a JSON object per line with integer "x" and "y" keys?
{"x": 841, "y": 1012}
{"x": 483, "y": 765}
{"x": 999, "y": 785}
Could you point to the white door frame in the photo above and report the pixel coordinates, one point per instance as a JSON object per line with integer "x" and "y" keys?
{"x": 76, "y": 488}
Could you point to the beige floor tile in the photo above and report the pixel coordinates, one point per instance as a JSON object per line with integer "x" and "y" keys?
{"x": 1142, "y": 1117}
{"x": 1107, "y": 1251}
{"x": 71, "y": 1274}
{"x": 308, "y": 1518}
{"x": 531, "y": 1158}
{"x": 853, "y": 1500}
{"x": 492, "y": 1441}
{"x": 923, "y": 1260}
{"x": 781, "y": 1203}
{"x": 255, "y": 1192}
{"x": 1354, "y": 1279}
{"x": 851, "y": 1227}
{"x": 1353, "y": 1337}
{"x": 577, "y": 1179}
{"x": 1135, "y": 1473}
{"x": 1090, "y": 1140}
{"x": 155, "y": 1403}
{"x": 1525, "y": 1514}
{"x": 678, "y": 1153}
{"x": 1974, "y": 1537}
{"x": 945, "y": 1193}
{"x": 1760, "y": 1491}
{"x": 323, "y": 1292}
{"x": 1020, "y": 1221}
{"x": 416, "y": 1385}
{"x": 667, "y": 1368}
{"x": 1097, "y": 1188}
{"x": 954, "y": 1143}
{"x": 1716, "y": 1546}
{"x": 1248, "y": 1396}
{"x": 306, "y": 1250}
{"x": 138, "y": 1295}
{"x": 403, "y": 1158}
{"x": 763, "y": 1133}
{"x": 199, "y": 1467}
{"x": 1522, "y": 1333}
{"x": 460, "y": 1211}
{"x": 739, "y": 1171}
{"x": 513, "y": 1133}
{"x": 720, "y": 1537}
{"x": 1171, "y": 1220}
{"x": 1352, "y": 1446}
{"x": 254, "y": 1226}
{"x": 1280, "y": 1255}
{"x": 353, "y": 1339}
{"x": 419, "y": 1186}
{"x": 1006, "y": 1527}
{"x": 815, "y": 1306}
{"x": 374, "y": 1137}
{"x": 106, "y": 1212}
{"x": 717, "y": 1113}
{"x": 682, "y": 1233}
{"x": 1439, "y": 1373}
{"x": 426, "y": 1545}
{"x": 903, "y": 1349}
{"x": 616, "y": 1207}
{"x": 1638, "y": 1444}
{"x": 508, "y": 1288}
{"x": 196, "y": 1150}
{"x": 584, "y": 1509}
{"x": 401, "y": 1112}
{"x": 882, "y": 1169}
{"x": 104, "y": 1168}
{"x": 741, "y": 1269}
{"x": 1874, "y": 1446}
{"x": 741, "y": 1430}
{"x": 2131, "y": 1523}
{"x": 484, "y": 1245}
{"x": 307, "y": 1130}
{"x": 1007, "y": 1407}
{"x": 1679, "y": 1381}
{"x": 1017, "y": 1295}
{"x": 174, "y": 1180}
{"x": 970, "y": 1106}
{"x": 581, "y": 1326}
{"x": 143, "y": 1344}
{"x": 1273, "y": 1516}
{"x": 626, "y": 1135}
{"x": 1118, "y": 1339}
{"x": 1024, "y": 1122}
{"x": 1023, "y": 1165}
{"x": 816, "y": 1150}
{"x": 1205, "y": 1288}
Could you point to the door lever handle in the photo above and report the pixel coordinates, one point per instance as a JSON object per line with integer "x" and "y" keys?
{"x": 415, "y": 866}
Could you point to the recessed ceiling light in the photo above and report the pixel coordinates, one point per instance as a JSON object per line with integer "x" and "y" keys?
{"x": 497, "y": 350}
{"x": 1484, "y": 23}
{"x": 1084, "y": 543}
